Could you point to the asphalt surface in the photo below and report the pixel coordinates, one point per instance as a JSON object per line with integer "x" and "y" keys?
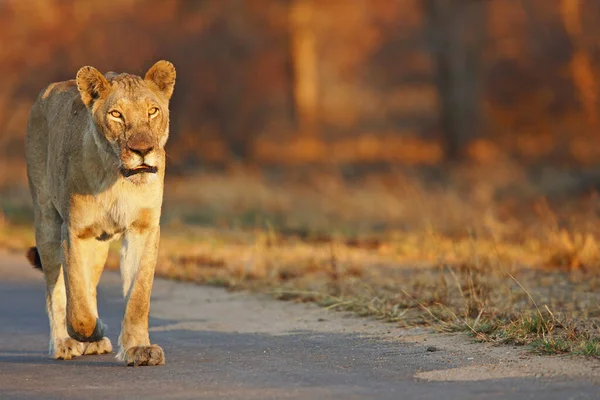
{"x": 221, "y": 345}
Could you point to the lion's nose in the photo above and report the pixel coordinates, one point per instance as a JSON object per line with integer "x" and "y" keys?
{"x": 140, "y": 144}
{"x": 142, "y": 150}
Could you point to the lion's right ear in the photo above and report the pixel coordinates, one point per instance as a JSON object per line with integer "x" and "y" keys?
{"x": 92, "y": 85}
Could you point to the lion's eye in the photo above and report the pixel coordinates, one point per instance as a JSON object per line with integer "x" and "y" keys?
{"x": 115, "y": 114}
{"x": 153, "y": 111}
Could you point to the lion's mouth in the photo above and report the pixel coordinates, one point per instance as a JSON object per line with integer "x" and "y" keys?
{"x": 142, "y": 169}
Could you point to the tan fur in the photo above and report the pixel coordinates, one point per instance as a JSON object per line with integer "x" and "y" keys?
{"x": 96, "y": 165}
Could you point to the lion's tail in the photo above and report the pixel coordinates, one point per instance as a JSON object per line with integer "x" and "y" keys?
{"x": 33, "y": 255}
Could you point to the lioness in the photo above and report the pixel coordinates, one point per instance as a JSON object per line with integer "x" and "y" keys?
{"x": 96, "y": 165}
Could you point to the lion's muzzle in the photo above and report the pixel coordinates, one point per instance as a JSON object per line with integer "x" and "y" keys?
{"x": 139, "y": 156}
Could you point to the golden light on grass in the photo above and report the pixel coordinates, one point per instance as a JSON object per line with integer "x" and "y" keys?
{"x": 392, "y": 247}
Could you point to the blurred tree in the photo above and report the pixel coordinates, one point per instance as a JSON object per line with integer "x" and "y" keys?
{"x": 304, "y": 64}
{"x": 580, "y": 65}
{"x": 456, "y": 31}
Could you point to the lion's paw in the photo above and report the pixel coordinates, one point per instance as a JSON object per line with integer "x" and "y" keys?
{"x": 102, "y": 346}
{"x": 144, "y": 355}
{"x": 66, "y": 349}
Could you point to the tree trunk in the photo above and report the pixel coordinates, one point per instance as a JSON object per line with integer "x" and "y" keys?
{"x": 304, "y": 65}
{"x": 580, "y": 65}
{"x": 455, "y": 30}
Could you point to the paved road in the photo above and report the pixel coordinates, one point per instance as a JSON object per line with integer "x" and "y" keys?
{"x": 228, "y": 346}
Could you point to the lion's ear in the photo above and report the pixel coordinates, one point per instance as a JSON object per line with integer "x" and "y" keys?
{"x": 162, "y": 74}
{"x": 91, "y": 85}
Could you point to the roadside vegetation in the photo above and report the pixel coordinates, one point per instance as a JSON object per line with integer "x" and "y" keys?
{"x": 509, "y": 263}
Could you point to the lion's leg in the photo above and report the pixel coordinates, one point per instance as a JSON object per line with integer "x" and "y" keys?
{"x": 138, "y": 260}
{"x": 97, "y": 261}
{"x": 78, "y": 256}
{"x": 48, "y": 224}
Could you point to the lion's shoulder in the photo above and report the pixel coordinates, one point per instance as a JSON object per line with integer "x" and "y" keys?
{"x": 59, "y": 102}
{"x": 69, "y": 86}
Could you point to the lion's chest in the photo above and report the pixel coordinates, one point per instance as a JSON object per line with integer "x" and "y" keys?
{"x": 106, "y": 216}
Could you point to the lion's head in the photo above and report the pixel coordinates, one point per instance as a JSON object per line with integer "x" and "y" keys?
{"x": 131, "y": 115}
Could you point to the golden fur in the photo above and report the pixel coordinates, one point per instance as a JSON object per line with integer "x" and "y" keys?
{"x": 96, "y": 163}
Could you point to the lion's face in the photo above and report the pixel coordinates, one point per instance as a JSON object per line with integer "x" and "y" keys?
{"x": 135, "y": 121}
{"x": 132, "y": 115}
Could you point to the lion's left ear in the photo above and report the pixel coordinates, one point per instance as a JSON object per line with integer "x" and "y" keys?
{"x": 162, "y": 74}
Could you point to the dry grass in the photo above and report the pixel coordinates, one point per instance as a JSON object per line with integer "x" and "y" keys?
{"x": 489, "y": 251}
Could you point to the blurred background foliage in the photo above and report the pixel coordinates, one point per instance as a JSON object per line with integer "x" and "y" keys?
{"x": 344, "y": 82}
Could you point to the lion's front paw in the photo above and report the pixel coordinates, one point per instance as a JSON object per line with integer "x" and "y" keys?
{"x": 66, "y": 349}
{"x": 102, "y": 346}
{"x": 144, "y": 355}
